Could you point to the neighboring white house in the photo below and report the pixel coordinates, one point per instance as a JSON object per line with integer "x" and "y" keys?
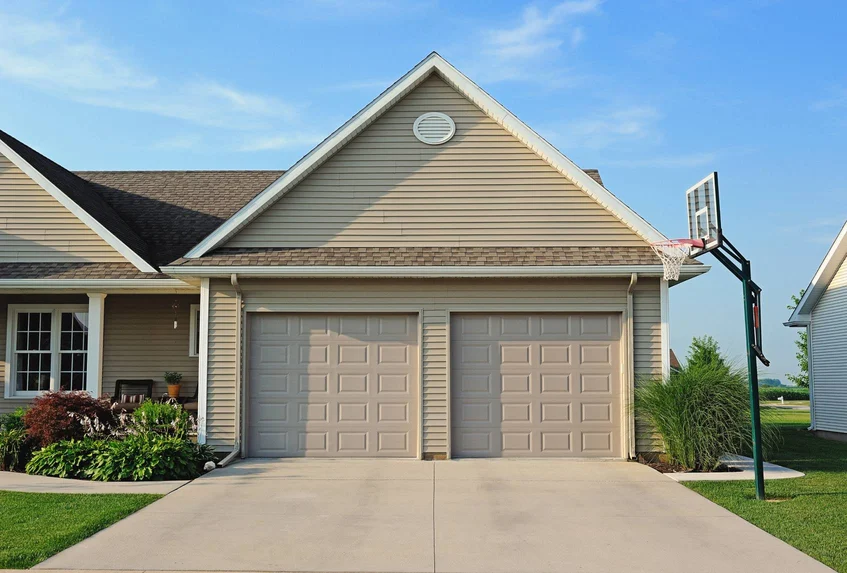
{"x": 823, "y": 311}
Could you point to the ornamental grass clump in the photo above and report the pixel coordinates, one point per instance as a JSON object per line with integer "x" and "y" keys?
{"x": 702, "y": 412}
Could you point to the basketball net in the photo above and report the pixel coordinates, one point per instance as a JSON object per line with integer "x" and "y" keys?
{"x": 673, "y": 253}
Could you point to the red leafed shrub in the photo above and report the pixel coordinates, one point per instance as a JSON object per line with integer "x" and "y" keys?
{"x": 56, "y": 416}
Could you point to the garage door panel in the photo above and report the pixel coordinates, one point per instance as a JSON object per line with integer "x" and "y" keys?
{"x": 546, "y": 385}
{"x": 348, "y": 388}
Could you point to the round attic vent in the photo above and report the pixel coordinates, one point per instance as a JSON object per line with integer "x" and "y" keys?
{"x": 434, "y": 128}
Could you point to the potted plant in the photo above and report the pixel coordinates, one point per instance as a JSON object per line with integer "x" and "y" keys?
{"x": 174, "y": 382}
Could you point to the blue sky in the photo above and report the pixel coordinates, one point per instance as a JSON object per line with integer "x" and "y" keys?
{"x": 656, "y": 94}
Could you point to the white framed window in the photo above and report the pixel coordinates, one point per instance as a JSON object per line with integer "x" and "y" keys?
{"x": 194, "y": 338}
{"x": 46, "y": 349}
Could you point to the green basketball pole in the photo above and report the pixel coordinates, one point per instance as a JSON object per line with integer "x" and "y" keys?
{"x": 753, "y": 377}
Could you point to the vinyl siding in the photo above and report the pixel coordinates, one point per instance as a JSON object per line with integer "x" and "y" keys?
{"x": 35, "y": 227}
{"x": 482, "y": 188}
{"x": 434, "y": 297}
{"x": 829, "y": 355}
{"x": 140, "y": 341}
{"x": 223, "y": 346}
{"x": 647, "y": 350}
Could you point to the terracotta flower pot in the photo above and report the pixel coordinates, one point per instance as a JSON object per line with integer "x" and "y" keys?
{"x": 173, "y": 390}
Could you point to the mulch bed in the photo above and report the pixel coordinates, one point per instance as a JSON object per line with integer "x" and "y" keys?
{"x": 655, "y": 462}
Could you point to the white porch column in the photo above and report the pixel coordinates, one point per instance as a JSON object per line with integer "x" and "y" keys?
{"x": 203, "y": 367}
{"x": 665, "y": 306}
{"x": 96, "y": 316}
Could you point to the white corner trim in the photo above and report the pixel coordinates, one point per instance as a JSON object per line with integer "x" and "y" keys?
{"x": 820, "y": 281}
{"x": 811, "y": 363}
{"x": 96, "y": 322}
{"x": 76, "y": 210}
{"x": 429, "y": 271}
{"x": 507, "y": 120}
{"x": 10, "y": 336}
{"x": 203, "y": 366}
{"x": 193, "y": 330}
{"x": 665, "y": 306}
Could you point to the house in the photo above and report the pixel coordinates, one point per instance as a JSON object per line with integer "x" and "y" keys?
{"x": 433, "y": 280}
{"x": 823, "y": 312}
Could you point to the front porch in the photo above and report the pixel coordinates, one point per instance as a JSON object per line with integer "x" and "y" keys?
{"x": 89, "y": 341}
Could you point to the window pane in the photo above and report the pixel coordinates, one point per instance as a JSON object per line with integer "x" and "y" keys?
{"x": 23, "y": 321}
{"x": 45, "y": 341}
{"x": 44, "y": 380}
{"x": 65, "y": 340}
{"x": 66, "y": 321}
{"x": 78, "y": 382}
{"x": 46, "y": 321}
{"x": 67, "y": 362}
{"x": 20, "y": 343}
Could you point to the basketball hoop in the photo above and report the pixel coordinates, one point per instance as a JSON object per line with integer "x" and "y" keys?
{"x": 673, "y": 253}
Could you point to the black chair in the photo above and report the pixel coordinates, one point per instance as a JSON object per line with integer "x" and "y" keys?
{"x": 130, "y": 393}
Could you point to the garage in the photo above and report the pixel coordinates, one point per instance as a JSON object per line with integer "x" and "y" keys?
{"x": 339, "y": 385}
{"x": 535, "y": 385}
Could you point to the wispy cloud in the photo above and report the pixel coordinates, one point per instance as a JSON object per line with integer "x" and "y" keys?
{"x": 528, "y": 50}
{"x": 667, "y": 161}
{"x": 836, "y": 100}
{"x": 180, "y": 142}
{"x": 63, "y": 59}
{"x": 284, "y": 141}
{"x": 604, "y": 129}
{"x": 363, "y": 85}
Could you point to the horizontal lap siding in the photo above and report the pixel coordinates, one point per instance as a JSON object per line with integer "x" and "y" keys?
{"x": 35, "y": 227}
{"x": 222, "y": 365}
{"x": 435, "y": 297}
{"x": 647, "y": 346}
{"x": 482, "y": 188}
{"x": 140, "y": 341}
{"x": 829, "y": 355}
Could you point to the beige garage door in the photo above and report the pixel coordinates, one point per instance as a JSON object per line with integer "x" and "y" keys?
{"x": 333, "y": 385}
{"x": 535, "y": 385}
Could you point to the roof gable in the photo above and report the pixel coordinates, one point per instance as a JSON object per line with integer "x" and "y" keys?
{"x": 481, "y": 188}
{"x": 829, "y": 267}
{"x": 78, "y": 197}
{"x": 433, "y": 63}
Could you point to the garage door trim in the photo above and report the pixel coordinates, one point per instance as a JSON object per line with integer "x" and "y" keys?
{"x": 331, "y": 310}
{"x": 627, "y": 376}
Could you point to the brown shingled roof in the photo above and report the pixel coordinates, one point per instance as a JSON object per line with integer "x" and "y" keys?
{"x": 74, "y": 271}
{"x": 175, "y": 210}
{"x": 428, "y": 256}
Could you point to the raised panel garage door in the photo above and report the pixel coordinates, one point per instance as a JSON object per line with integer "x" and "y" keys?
{"x": 535, "y": 385}
{"x": 333, "y": 385}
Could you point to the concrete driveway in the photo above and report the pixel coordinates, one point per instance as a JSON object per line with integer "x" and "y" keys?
{"x": 458, "y": 516}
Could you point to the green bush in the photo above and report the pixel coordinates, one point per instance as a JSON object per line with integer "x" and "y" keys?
{"x": 163, "y": 418}
{"x": 144, "y": 457}
{"x": 702, "y": 412}
{"x": 772, "y": 393}
{"x": 67, "y": 459}
{"x": 14, "y": 448}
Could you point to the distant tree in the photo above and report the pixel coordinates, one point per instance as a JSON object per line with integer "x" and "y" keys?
{"x": 704, "y": 351}
{"x": 802, "y": 343}
{"x": 775, "y": 382}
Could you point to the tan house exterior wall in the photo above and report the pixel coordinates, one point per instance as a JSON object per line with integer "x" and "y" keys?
{"x": 35, "y": 227}
{"x": 482, "y": 188}
{"x": 434, "y": 299}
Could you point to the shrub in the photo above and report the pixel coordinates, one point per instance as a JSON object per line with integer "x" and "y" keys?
{"x": 173, "y": 378}
{"x": 14, "y": 448}
{"x": 701, "y": 412}
{"x": 772, "y": 393}
{"x": 57, "y": 416}
{"x": 163, "y": 418}
{"x": 67, "y": 459}
{"x": 145, "y": 457}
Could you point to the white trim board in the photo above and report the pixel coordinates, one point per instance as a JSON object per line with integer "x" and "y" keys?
{"x": 432, "y": 63}
{"x": 62, "y": 284}
{"x": 76, "y": 210}
{"x": 434, "y": 271}
{"x": 819, "y": 283}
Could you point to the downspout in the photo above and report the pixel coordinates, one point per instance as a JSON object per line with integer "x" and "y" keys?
{"x": 236, "y": 448}
{"x": 630, "y": 359}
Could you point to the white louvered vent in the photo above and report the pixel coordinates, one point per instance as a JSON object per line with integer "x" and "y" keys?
{"x": 434, "y": 128}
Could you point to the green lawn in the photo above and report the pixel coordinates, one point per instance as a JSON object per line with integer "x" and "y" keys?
{"x": 34, "y": 526}
{"x": 810, "y": 512}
